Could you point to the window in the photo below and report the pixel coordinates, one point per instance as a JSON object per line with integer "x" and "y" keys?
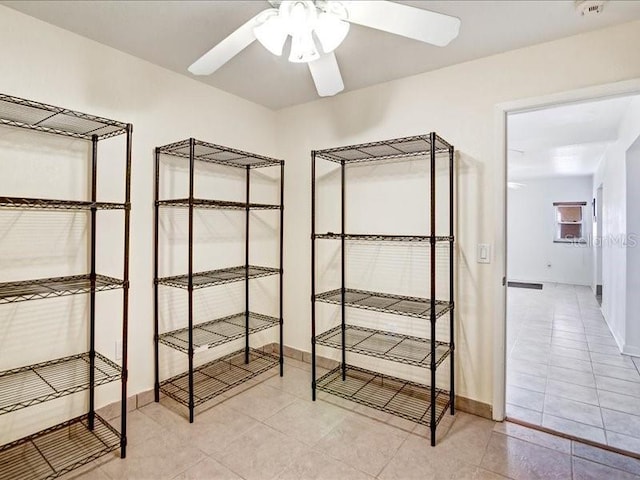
{"x": 569, "y": 221}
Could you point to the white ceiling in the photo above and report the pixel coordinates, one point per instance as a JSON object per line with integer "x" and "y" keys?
{"x": 173, "y": 34}
{"x": 564, "y": 140}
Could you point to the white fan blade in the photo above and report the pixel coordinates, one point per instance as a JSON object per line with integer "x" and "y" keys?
{"x": 326, "y": 75}
{"x": 423, "y": 25}
{"x": 226, "y": 49}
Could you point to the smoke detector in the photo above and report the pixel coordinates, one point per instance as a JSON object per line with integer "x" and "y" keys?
{"x": 590, "y": 7}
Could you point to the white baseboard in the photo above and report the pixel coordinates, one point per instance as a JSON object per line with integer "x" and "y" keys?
{"x": 632, "y": 350}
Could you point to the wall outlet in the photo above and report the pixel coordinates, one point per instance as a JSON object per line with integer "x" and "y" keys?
{"x": 118, "y": 350}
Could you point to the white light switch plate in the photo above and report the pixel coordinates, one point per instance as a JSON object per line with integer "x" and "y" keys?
{"x": 484, "y": 253}
{"x": 118, "y": 350}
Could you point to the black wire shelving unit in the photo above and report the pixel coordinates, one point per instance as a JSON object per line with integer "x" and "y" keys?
{"x": 62, "y": 448}
{"x": 205, "y": 382}
{"x": 421, "y": 403}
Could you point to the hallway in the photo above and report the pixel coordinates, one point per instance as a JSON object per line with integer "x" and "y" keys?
{"x": 564, "y": 370}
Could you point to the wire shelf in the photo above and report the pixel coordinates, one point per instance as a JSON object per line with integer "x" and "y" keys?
{"x": 217, "y": 277}
{"x": 11, "y": 292}
{"x": 57, "y": 450}
{"x": 18, "y": 112}
{"x": 396, "y": 396}
{"x": 33, "y": 384}
{"x": 51, "y": 204}
{"x": 217, "y": 332}
{"x": 216, "y": 204}
{"x": 380, "y": 237}
{"x": 215, "y": 378}
{"x": 415, "y": 307}
{"x": 397, "y": 148}
{"x": 392, "y": 346}
{"x": 212, "y": 153}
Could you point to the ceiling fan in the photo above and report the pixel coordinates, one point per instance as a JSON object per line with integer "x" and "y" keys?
{"x": 318, "y": 27}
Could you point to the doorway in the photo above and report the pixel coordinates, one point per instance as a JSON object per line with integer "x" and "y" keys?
{"x": 565, "y": 368}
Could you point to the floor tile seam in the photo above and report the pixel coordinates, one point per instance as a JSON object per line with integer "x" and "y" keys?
{"x": 224, "y": 451}
{"x": 604, "y": 425}
{"x": 577, "y": 401}
{"x": 612, "y": 391}
{"x": 537, "y": 444}
{"x": 574, "y": 421}
{"x": 572, "y": 382}
{"x": 527, "y": 373}
{"x": 573, "y": 399}
{"x": 581, "y": 457}
{"x": 395, "y": 453}
{"x": 191, "y": 466}
{"x": 622, "y": 433}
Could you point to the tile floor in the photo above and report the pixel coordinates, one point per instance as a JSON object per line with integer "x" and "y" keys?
{"x": 274, "y": 431}
{"x": 564, "y": 370}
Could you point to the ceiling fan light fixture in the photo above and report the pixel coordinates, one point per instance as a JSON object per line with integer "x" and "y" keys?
{"x": 331, "y": 30}
{"x": 272, "y": 32}
{"x": 303, "y": 48}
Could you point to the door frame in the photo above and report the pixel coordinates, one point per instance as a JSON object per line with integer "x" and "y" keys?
{"x": 501, "y": 110}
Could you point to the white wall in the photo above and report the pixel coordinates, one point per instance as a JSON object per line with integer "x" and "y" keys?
{"x": 632, "y": 340}
{"x": 58, "y": 67}
{"x": 458, "y": 102}
{"x": 44, "y": 63}
{"x": 532, "y": 255}
{"x": 612, "y": 175}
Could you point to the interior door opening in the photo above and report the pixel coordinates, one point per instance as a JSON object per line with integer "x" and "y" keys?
{"x": 567, "y": 245}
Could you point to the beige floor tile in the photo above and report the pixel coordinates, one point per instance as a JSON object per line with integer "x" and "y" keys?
{"x": 91, "y": 471}
{"x": 260, "y": 453}
{"x": 211, "y": 430}
{"x": 261, "y": 402}
{"x": 139, "y": 427}
{"x": 605, "y": 457}
{"x": 576, "y": 429}
{"x": 207, "y": 469}
{"x": 295, "y": 381}
{"x": 159, "y": 458}
{"x": 586, "y": 470}
{"x": 362, "y": 443}
{"x": 518, "y": 459}
{"x": 467, "y": 438}
{"x": 534, "y": 436}
{"x": 572, "y": 410}
{"x": 476, "y": 473}
{"x": 416, "y": 460}
{"x": 314, "y": 465}
{"x": 307, "y": 421}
